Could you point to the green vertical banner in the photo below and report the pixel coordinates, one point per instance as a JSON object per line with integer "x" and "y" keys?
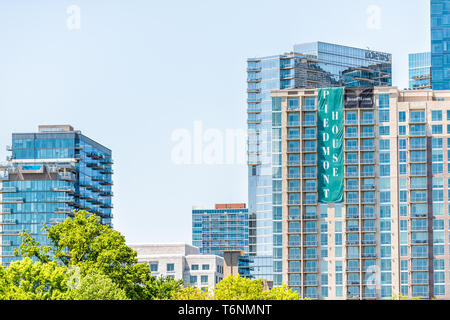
{"x": 330, "y": 145}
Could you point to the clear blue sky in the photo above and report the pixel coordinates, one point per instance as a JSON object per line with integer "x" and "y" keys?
{"x": 137, "y": 70}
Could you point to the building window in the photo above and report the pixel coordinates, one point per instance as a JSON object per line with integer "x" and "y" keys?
{"x": 402, "y": 130}
{"x": 194, "y": 267}
{"x": 384, "y": 115}
{"x": 193, "y": 280}
{"x": 436, "y": 115}
{"x": 205, "y": 267}
{"x": 154, "y": 266}
{"x": 384, "y": 131}
{"x": 436, "y": 129}
{"x": 402, "y": 116}
{"x": 204, "y": 279}
{"x": 170, "y": 267}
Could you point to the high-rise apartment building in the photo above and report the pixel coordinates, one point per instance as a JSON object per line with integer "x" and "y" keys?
{"x": 224, "y": 228}
{"x": 50, "y": 174}
{"x": 420, "y": 70}
{"x": 364, "y": 180}
{"x": 440, "y": 45}
{"x": 310, "y": 65}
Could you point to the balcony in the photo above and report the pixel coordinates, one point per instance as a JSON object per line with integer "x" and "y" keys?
{"x": 310, "y": 257}
{"x": 107, "y": 160}
{"x": 64, "y": 210}
{"x": 8, "y": 190}
{"x": 310, "y": 217}
{"x": 309, "y": 230}
{"x": 309, "y": 149}
{"x": 367, "y": 135}
{"x": 417, "y": 121}
{"x": 254, "y": 120}
{"x": 369, "y": 255}
{"x": 309, "y": 162}
{"x": 254, "y": 69}
{"x": 309, "y": 137}
{"x": 367, "y": 122}
{"x": 368, "y": 148}
{"x": 369, "y": 229}
{"x": 293, "y": 123}
{"x": 5, "y": 222}
{"x": 310, "y": 270}
{"x": 309, "y": 123}
{"x": 310, "y": 243}
{"x": 67, "y": 176}
{"x": 419, "y": 242}
{"x": 56, "y": 221}
{"x": 63, "y": 189}
{"x": 255, "y": 100}
{"x": 254, "y": 110}
{"x": 368, "y": 174}
{"x": 12, "y": 200}
{"x": 254, "y": 79}
{"x": 351, "y": 148}
{"x": 369, "y": 242}
{"x": 4, "y": 211}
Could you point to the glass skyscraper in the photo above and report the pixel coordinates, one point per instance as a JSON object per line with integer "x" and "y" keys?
{"x": 224, "y": 228}
{"x": 420, "y": 70}
{"x": 440, "y": 44}
{"x": 49, "y": 175}
{"x": 310, "y": 65}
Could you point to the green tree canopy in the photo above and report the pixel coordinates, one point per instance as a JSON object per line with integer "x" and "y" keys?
{"x": 95, "y": 248}
{"x": 96, "y": 287}
{"x": 25, "y": 280}
{"x": 238, "y": 288}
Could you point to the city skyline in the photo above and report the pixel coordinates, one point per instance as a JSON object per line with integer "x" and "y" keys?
{"x": 134, "y": 106}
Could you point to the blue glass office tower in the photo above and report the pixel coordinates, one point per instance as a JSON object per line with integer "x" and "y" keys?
{"x": 440, "y": 44}
{"x": 224, "y": 228}
{"x": 420, "y": 70}
{"x": 49, "y": 175}
{"x": 310, "y": 65}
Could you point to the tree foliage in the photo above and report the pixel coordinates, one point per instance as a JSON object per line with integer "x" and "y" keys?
{"x": 25, "y": 280}
{"x": 96, "y": 287}
{"x": 191, "y": 293}
{"x": 238, "y": 288}
{"x": 97, "y": 251}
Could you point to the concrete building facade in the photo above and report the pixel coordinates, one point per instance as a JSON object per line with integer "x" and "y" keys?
{"x": 390, "y": 234}
{"x": 182, "y": 262}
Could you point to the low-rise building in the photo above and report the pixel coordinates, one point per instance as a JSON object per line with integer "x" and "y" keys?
{"x": 182, "y": 262}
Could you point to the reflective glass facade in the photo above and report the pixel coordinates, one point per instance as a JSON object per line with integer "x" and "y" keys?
{"x": 440, "y": 44}
{"x": 420, "y": 70}
{"x": 50, "y": 174}
{"x": 311, "y": 65}
{"x": 218, "y": 230}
